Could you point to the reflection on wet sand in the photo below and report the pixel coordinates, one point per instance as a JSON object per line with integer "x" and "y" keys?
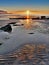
{"x": 33, "y": 54}
{"x": 28, "y": 54}
{"x": 28, "y": 24}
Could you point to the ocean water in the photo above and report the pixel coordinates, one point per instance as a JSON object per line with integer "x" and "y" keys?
{"x": 41, "y": 26}
{"x": 28, "y": 53}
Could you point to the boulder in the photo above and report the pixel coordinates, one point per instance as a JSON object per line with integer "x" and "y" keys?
{"x": 6, "y": 28}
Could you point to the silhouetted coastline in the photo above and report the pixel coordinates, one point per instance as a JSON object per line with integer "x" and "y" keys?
{"x": 36, "y": 18}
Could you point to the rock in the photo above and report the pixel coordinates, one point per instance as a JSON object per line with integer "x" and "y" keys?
{"x": 6, "y": 28}
{"x": 31, "y": 33}
{"x": 12, "y": 23}
{"x": 0, "y": 43}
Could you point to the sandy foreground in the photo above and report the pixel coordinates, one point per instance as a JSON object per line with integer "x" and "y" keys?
{"x": 20, "y": 36}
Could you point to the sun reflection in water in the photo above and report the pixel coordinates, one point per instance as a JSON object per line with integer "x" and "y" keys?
{"x": 28, "y": 24}
{"x": 28, "y": 21}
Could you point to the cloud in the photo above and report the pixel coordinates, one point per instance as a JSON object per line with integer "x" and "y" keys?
{"x": 4, "y": 12}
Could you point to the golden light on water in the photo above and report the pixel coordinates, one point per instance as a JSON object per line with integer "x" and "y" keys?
{"x": 28, "y": 22}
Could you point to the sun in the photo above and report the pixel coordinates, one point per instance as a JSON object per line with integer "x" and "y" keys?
{"x": 27, "y": 13}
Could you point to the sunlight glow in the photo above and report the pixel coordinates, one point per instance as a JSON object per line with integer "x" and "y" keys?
{"x": 28, "y": 13}
{"x": 28, "y": 22}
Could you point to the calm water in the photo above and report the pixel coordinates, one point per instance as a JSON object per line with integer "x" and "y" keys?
{"x": 41, "y": 26}
{"x": 28, "y": 54}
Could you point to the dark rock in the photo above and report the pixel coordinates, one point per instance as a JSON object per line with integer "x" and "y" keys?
{"x": 31, "y": 33}
{"x": 12, "y": 23}
{"x": 43, "y": 17}
{"x": 0, "y": 43}
{"x": 6, "y": 28}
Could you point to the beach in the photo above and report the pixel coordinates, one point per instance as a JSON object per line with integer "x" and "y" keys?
{"x": 19, "y": 37}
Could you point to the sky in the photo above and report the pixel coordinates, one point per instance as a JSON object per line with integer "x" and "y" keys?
{"x": 24, "y": 4}
{"x": 13, "y": 5}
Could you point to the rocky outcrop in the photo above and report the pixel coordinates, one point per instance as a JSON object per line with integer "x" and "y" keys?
{"x": 6, "y": 28}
